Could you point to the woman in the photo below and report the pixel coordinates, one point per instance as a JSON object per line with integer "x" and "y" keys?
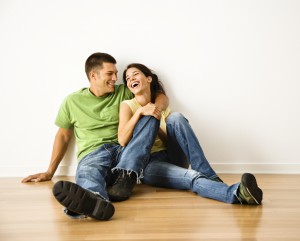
{"x": 175, "y": 132}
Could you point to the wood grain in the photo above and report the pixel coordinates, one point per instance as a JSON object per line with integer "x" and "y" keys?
{"x": 30, "y": 212}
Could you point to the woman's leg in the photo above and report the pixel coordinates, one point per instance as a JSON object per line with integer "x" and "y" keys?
{"x": 181, "y": 133}
{"x": 164, "y": 174}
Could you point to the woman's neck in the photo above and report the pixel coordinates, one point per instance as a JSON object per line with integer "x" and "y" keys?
{"x": 143, "y": 98}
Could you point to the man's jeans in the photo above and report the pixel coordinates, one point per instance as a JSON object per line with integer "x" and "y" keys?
{"x": 96, "y": 168}
{"x": 161, "y": 172}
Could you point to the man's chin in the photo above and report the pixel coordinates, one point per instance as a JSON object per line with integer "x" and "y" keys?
{"x": 111, "y": 89}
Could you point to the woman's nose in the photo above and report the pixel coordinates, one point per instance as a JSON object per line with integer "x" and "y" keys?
{"x": 131, "y": 78}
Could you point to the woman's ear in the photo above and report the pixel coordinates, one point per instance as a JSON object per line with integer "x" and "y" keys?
{"x": 149, "y": 79}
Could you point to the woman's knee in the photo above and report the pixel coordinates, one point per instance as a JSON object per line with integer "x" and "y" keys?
{"x": 175, "y": 117}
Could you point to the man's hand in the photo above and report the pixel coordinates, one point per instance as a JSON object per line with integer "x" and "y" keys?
{"x": 62, "y": 139}
{"x": 39, "y": 177}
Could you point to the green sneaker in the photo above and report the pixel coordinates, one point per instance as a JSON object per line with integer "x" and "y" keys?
{"x": 248, "y": 191}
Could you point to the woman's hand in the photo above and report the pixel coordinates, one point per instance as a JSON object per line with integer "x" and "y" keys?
{"x": 151, "y": 109}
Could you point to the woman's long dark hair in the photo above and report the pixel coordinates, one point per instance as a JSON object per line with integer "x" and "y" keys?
{"x": 156, "y": 86}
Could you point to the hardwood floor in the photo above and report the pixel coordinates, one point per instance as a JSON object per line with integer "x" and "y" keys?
{"x": 30, "y": 212}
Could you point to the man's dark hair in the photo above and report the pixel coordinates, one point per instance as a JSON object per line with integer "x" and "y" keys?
{"x": 96, "y": 60}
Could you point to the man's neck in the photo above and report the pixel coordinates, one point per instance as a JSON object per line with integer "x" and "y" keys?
{"x": 97, "y": 93}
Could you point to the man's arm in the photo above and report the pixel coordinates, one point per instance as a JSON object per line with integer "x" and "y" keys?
{"x": 60, "y": 146}
{"x": 161, "y": 101}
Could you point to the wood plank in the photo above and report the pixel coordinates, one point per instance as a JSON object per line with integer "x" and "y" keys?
{"x": 30, "y": 212}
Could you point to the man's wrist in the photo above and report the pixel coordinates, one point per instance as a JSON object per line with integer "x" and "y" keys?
{"x": 50, "y": 174}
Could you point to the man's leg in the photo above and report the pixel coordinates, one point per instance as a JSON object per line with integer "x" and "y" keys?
{"x": 180, "y": 133}
{"x": 92, "y": 170}
{"x": 89, "y": 196}
{"x": 134, "y": 158}
{"x": 81, "y": 201}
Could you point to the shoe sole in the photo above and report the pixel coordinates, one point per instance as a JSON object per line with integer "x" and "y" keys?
{"x": 81, "y": 201}
{"x": 116, "y": 198}
{"x": 249, "y": 181}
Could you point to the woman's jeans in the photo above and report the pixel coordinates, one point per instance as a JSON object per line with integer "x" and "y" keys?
{"x": 161, "y": 172}
{"x": 96, "y": 168}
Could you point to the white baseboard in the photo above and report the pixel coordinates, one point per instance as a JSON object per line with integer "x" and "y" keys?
{"x": 265, "y": 168}
{"x": 238, "y": 168}
{"x": 24, "y": 171}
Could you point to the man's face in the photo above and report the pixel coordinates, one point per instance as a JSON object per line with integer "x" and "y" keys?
{"x": 103, "y": 80}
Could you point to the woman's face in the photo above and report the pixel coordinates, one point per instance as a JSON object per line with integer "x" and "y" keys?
{"x": 137, "y": 81}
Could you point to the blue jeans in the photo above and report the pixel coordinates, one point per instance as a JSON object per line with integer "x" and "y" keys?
{"x": 161, "y": 172}
{"x": 96, "y": 168}
{"x": 182, "y": 137}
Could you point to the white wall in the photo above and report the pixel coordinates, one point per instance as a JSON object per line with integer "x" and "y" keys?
{"x": 232, "y": 67}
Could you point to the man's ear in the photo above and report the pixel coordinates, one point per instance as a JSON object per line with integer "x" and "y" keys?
{"x": 92, "y": 75}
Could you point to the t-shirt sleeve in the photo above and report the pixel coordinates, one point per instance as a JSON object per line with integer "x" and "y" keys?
{"x": 63, "y": 118}
{"x": 128, "y": 94}
{"x": 167, "y": 112}
{"x": 131, "y": 105}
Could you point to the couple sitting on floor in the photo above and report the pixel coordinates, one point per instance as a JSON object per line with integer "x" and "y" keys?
{"x": 126, "y": 134}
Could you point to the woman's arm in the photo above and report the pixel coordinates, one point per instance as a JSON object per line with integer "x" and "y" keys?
{"x": 128, "y": 120}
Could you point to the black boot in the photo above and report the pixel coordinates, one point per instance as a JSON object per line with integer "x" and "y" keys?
{"x": 122, "y": 188}
{"x": 82, "y": 201}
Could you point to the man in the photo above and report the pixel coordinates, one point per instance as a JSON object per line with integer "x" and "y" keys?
{"x": 92, "y": 115}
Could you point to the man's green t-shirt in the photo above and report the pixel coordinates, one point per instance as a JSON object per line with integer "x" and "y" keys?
{"x": 94, "y": 119}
